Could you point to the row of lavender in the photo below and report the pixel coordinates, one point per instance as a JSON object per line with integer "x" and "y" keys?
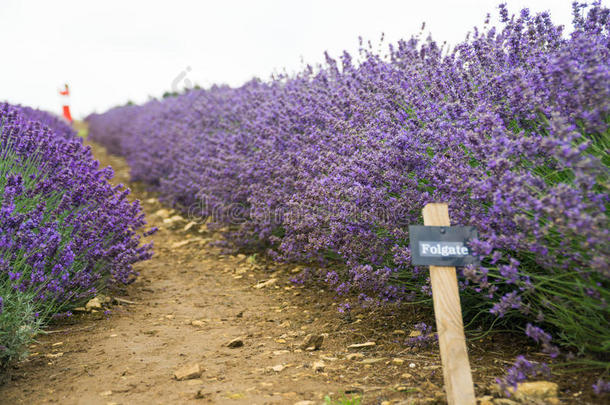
{"x": 330, "y": 165}
{"x": 65, "y": 231}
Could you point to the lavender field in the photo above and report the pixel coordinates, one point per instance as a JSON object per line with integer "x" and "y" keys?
{"x": 327, "y": 167}
{"x": 280, "y": 213}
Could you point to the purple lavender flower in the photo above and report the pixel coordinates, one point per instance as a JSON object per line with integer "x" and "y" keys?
{"x": 543, "y": 338}
{"x": 520, "y": 371}
{"x": 424, "y": 336}
{"x": 601, "y": 387}
{"x": 344, "y": 308}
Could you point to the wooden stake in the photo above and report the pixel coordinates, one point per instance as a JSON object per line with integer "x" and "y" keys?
{"x": 449, "y": 324}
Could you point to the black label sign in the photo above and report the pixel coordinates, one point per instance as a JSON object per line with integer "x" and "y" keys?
{"x": 441, "y": 245}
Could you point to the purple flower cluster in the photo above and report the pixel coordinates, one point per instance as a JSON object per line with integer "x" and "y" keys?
{"x": 424, "y": 336}
{"x": 601, "y": 387}
{"x": 60, "y": 127}
{"x": 65, "y": 231}
{"x": 510, "y": 128}
{"x": 521, "y": 370}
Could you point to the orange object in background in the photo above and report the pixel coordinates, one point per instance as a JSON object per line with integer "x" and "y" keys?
{"x": 66, "y": 105}
{"x": 67, "y": 114}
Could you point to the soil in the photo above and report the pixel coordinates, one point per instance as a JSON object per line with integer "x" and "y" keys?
{"x": 191, "y": 301}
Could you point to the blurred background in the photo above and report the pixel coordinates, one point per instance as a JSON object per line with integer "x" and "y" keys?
{"x": 114, "y": 51}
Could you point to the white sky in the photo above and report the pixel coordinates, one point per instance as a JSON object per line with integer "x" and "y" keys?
{"x": 113, "y": 51}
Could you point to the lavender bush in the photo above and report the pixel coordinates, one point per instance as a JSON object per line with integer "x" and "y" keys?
{"x": 65, "y": 232}
{"x": 328, "y": 166}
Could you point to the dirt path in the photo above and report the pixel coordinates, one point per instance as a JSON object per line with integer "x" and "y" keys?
{"x": 191, "y": 300}
{"x": 130, "y": 356}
